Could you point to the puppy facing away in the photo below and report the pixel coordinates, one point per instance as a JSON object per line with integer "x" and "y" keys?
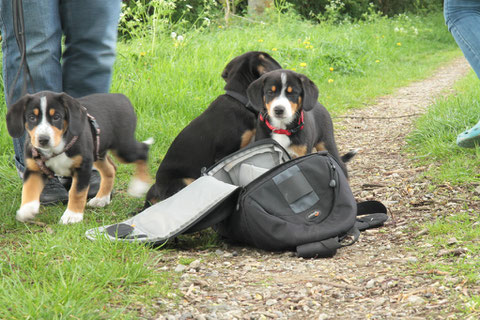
{"x": 290, "y": 114}
{"x": 67, "y": 137}
{"x": 227, "y": 125}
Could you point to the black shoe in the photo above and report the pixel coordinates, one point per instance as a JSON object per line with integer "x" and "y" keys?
{"x": 53, "y": 192}
{"x": 94, "y": 183}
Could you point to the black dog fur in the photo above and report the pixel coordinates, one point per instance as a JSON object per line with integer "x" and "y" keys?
{"x": 224, "y": 127}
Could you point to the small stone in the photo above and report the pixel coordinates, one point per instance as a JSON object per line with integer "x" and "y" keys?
{"x": 218, "y": 252}
{"x": 452, "y": 241}
{"x": 271, "y": 302}
{"x": 378, "y": 302}
{"x": 195, "y": 264}
{"x": 370, "y": 284}
{"x": 415, "y": 300}
{"x": 180, "y": 268}
{"x": 412, "y": 260}
{"x": 322, "y": 316}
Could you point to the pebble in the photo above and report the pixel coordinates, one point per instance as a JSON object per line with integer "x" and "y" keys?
{"x": 416, "y": 300}
{"x": 370, "y": 284}
{"x": 180, "y": 268}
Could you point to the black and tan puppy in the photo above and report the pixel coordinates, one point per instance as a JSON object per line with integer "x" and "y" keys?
{"x": 290, "y": 114}
{"x": 67, "y": 137}
{"x": 224, "y": 127}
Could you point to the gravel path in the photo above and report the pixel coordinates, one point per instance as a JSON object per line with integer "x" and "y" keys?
{"x": 377, "y": 278}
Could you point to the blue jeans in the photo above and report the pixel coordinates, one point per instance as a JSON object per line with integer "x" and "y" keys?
{"x": 463, "y": 20}
{"x": 85, "y": 65}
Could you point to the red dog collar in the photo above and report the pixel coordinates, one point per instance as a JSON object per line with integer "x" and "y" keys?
{"x": 283, "y": 131}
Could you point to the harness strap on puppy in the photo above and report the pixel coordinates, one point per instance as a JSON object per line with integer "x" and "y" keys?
{"x": 40, "y": 159}
{"x": 242, "y": 99}
{"x": 96, "y": 132}
{"x": 287, "y": 132}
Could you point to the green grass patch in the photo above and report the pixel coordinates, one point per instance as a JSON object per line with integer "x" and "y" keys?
{"x": 54, "y": 272}
{"x": 434, "y": 139}
{"x": 433, "y": 144}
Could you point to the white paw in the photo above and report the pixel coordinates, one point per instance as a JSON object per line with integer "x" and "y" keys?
{"x": 138, "y": 188}
{"x": 28, "y": 211}
{"x": 71, "y": 217}
{"x": 99, "y": 202}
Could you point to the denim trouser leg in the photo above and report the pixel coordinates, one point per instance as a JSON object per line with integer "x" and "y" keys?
{"x": 463, "y": 20}
{"x": 43, "y": 36}
{"x": 90, "y": 28}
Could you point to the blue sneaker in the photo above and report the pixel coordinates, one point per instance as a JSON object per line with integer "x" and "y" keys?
{"x": 469, "y": 138}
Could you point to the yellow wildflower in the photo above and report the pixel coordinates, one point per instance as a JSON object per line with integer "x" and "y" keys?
{"x": 274, "y": 49}
{"x": 260, "y": 40}
{"x": 399, "y": 44}
{"x": 377, "y": 61}
{"x": 294, "y": 69}
{"x": 331, "y": 68}
{"x": 330, "y": 80}
{"x": 303, "y": 64}
{"x": 142, "y": 54}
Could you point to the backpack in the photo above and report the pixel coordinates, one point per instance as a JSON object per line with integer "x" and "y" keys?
{"x": 260, "y": 197}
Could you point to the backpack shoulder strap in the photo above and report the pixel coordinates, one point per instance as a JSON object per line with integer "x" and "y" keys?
{"x": 370, "y": 214}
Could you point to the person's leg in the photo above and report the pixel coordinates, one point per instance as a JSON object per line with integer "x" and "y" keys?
{"x": 463, "y": 20}
{"x": 90, "y": 28}
{"x": 43, "y": 38}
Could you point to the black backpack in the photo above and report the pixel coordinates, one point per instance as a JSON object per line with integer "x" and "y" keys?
{"x": 260, "y": 197}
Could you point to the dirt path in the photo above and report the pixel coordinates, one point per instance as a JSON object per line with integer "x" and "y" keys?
{"x": 372, "y": 279}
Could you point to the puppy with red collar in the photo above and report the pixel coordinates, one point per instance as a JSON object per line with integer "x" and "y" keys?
{"x": 226, "y": 126}
{"x": 291, "y": 114}
{"x": 67, "y": 137}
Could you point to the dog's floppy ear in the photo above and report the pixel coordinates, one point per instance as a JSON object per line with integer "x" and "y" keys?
{"x": 310, "y": 93}
{"x": 16, "y": 117}
{"x": 264, "y": 63}
{"x": 255, "y": 94}
{"x": 77, "y": 114}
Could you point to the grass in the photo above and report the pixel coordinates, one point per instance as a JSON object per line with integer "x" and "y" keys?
{"x": 434, "y": 139}
{"x": 433, "y": 144}
{"x": 52, "y": 271}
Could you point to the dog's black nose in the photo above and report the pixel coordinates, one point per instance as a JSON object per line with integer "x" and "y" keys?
{"x": 43, "y": 140}
{"x": 279, "y": 111}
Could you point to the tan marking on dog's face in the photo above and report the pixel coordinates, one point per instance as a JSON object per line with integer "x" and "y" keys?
{"x": 77, "y": 199}
{"x": 107, "y": 176}
{"x": 57, "y": 135}
{"x": 294, "y": 106}
{"x": 274, "y": 88}
{"x": 31, "y": 134}
{"x": 298, "y": 150}
{"x": 187, "y": 181}
{"x": 320, "y": 146}
{"x": 32, "y": 187}
{"x": 289, "y": 89}
{"x": 247, "y": 137}
{"x": 36, "y": 111}
{"x": 51, "y": 112}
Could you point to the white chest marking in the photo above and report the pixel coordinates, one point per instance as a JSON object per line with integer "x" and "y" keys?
{"x": 61, "y": 165}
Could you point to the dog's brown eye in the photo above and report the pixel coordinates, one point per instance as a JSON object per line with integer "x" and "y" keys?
{"x": 32, "y": 118}
{"x": 56, "y": 117}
